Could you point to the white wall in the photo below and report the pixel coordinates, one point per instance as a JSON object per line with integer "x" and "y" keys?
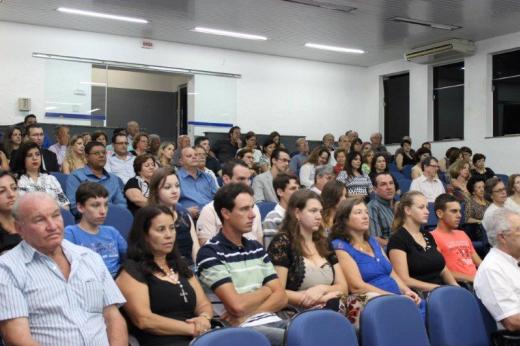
{"x": 295, "y": 97}
{"x": 501, "y": 152}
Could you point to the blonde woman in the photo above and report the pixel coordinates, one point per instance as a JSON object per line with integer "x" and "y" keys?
{"x": 75, "y": 156}
{"x": 165, "y": 155}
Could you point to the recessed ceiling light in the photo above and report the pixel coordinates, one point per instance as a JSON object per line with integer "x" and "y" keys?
{"x": 426, "y": 23}
{"x": 229, "y": 33}
{"x": 335, "y": 48}
{"x": 101, "y": 15}
{"x": 325, "y": 5}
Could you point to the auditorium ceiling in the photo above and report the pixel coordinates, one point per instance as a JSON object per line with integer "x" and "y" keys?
{"x": 288, "y": 25}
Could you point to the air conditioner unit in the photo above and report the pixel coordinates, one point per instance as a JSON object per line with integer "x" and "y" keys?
{"x": 441, "y": 51}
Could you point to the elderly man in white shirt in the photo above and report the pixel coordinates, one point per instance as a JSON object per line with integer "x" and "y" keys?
{"x": 429, "y": 183}
{"x": 209, "y": 224}
{"x": 497, "y": 282}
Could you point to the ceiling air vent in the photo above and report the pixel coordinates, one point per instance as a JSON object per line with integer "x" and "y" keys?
{"x": 441, "y": 51}
{"x": 329, "y": 5}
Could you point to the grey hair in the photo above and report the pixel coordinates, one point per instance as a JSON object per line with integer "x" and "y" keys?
{"x": 322, "y": 171}
{"x": 499, "y": 223}
{"x": 25, "y": 198}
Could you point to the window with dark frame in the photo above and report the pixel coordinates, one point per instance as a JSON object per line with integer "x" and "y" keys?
{"x": 448, "y": 101}
{"x": 506, "y": 93}
{"x": 396, "y": 107}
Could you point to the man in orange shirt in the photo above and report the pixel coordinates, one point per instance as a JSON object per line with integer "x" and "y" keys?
{"x": 455, "y": 246}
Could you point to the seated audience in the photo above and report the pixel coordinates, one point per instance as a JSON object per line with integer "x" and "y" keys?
{"x": 263, "y": 183}
{"x": 340, "y": 155}
{"x": 318, "y": 157}
{"x": 495, "y": 192}
{"x": 183, "y": 141}
{"x": 445, "y": 162}
{"x": 211, "y": 161}
{"x": 137, "y": 189}
{"x": 62, "y": 141}
{"x": 165, "y": 189}
{"x": 27, "y": 163}
{"x": 365, "y": 148}
{"x": 466, "y": 154}
{"x": 479, "y": 168}
{"x": 264, "y": 164}
{"x": 208, "y": 223}
{"x": 201, "y": 156}
{"x": 420, "y": 155}
{"x": 132, "y": 130}
{"x": 412, "y": 251}
{"x": 246, "y": 155}
{"x": 322, "y": 176}
{"x": 406, "y": 156}
{"x": 92, "y": 204}
{"x": 284, "y": 185}
{"x": 49, "y": 161}
{"x": 120, "y": 162}
{"x": 459, "y": 174}
{"x": 165, "y": 156}
{"x": 303, "y": 258}
{"x": 165, "y": 302}
{"x": 377, "y": 143}
{"x": 455, "y": 246}
{"x": 9, "y": 238}
{"x": 477, "y": 204}
{"x": 380, "y": 165}
{"x": 75, "y": 156}
{"x": 12, "y": 140}
{"x": 497, "y": 283}
{"x": 332, "y": 195}
{"x": 197, "y": 187}
{"x": 429, "y": 183}
{"x": 367, "y": 160}
{"x": 239, "y": 271}
{"x": 300, "y": 158}
{"x": 381, "y": 208}
{"x": 226, "y": 149}
{"x": 357, "y": 183}
{"x": 95, "y": 171}
{"x": 513, "y": 190}
{"x": 100, "y": 136}
{"x": 141, "y": 144}
{"x": 344, "y": 143}
{"x": 251, "y": 144}
{"x": 63, "y": 294}
{"x": 30, "y": 120}
{"x": 362, "y": 260}
{"x": 355, "y": 145}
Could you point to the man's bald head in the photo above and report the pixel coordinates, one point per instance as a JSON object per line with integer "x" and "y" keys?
{"x": 30, "y": 201}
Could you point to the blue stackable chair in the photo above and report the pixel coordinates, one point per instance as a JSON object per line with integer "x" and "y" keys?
{"x": 68, "y": 218}
{"x": 334, "y": 329}
{"x": 504, "y": 178}
{"x": 404, "y": 185}
{"x": 392, "y": 320}
{"x": 120, "y": 218}
{"x": 62, "y": 179}
{"x": 231, "y": 337}
{"x": 265, "y": 207}
{"x": 490, "y": 324}
{"x": 432, "y": 218}
{"x": 407, "y": 171}
{"x": 453, "y": 318}
{"x": 392, "y": 167}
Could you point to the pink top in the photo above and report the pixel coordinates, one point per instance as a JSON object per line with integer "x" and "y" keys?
{"x": 457, "y": 249}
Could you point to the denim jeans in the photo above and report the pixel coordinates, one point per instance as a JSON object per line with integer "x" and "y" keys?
{"x": 273, "y": 331}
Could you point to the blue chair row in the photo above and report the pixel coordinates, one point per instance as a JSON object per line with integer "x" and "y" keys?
{"x": 265, "y": 207}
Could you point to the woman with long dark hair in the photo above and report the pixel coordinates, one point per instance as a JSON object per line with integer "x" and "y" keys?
{"x": 302, "y": 256}
{"x": 9, "y": 238}
{"x": 27, "y": 164}
{"x": 165, "y": 189}
{"x": 165, "y": 301}
{"x": 12, "y": 140}
{"x": 318, "y": 157}
{"x": 357, "y": 182}
{"x": 333, "y": 193}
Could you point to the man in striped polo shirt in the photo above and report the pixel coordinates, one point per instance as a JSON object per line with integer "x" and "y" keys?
{"x": 239, "y": 271}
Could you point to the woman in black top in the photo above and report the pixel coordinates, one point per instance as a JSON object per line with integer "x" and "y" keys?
{"x": 413, "y": 252}
{"x": 165, "y": 303}
{"x": 481, "y": 171}
{"x": 8, "y": 194}
{"x": 137, "y": 189}
{"x": 405, "y": 155}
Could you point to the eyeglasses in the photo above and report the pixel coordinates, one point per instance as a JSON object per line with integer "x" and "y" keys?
{"x": 125, "y": 143}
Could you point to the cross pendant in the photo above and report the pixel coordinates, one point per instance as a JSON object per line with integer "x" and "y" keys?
{"x": 183, "y": 294}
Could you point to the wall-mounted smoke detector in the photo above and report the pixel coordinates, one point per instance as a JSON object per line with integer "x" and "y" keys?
{"x": 328, "y": 5}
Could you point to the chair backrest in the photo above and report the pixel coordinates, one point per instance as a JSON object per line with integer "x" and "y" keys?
{"x": 392, "y": 320}
{"x": 489, "y": 322}
{"x": 453, "y": 318}
{"x": 265, "y": 207}
{"x": 120, "y": 218}
{"x": 504, "y": 178}
{"x": 68, "y": 218}
{"x": 62, "y": 179}
{"x": 231, "y": 337}
{"x": 407, "y": 171}
{"x": 404, "y": 185}
{"x": 334, "y": 329}
{"x": 432, "y": 217}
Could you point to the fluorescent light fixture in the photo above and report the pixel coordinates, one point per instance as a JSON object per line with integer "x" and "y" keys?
{"x": 50, "y": 108}
{"x": 426, "y": 23}
{"x": 229, "y": 33}
{"x": 334, "y": 48}
{"x": 93, "y": 83}
{"x": 93, "y": 110}
{"x": 101, "y": 15}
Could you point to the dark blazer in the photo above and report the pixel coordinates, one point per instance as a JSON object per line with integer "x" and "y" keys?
{"x": 49, "y": 160}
